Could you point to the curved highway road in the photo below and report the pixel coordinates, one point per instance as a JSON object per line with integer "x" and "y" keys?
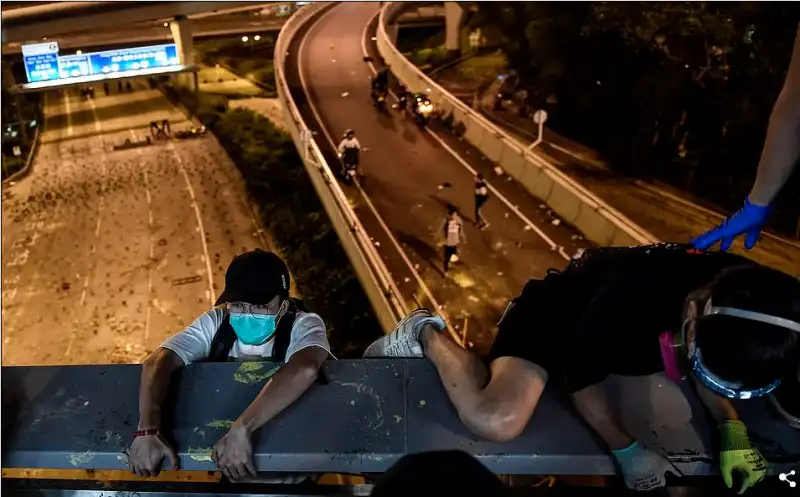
{"x": 411, "y": 175}
{"x": 104, "y": 252}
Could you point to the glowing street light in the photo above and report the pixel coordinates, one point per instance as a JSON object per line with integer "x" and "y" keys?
{"x": 244, "y": 39}
{"x": 257, "y": 37}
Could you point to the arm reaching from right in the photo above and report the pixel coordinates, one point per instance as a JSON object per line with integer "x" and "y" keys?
{"x": 779, "y": 158}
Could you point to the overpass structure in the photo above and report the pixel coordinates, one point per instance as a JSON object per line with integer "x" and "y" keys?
{"x": 83, "y": 417}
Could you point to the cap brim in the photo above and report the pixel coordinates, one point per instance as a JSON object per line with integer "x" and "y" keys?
{"x": 227, "y": 295}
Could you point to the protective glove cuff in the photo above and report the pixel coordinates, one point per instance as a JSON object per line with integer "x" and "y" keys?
{"x": 629, "y": 453}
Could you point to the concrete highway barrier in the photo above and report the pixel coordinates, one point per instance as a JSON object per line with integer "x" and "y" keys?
{"x": 381, "y": 290}
{"x": 598, "y": 221}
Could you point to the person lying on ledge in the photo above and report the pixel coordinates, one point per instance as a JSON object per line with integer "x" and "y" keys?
{"x": 731, "y": 323}
{"x": 254, "y": 319}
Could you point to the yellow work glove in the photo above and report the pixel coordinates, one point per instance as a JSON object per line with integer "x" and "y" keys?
{"x": 736, "y": 454}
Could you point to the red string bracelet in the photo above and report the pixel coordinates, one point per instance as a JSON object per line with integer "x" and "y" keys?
{"x": 142, "y": 433}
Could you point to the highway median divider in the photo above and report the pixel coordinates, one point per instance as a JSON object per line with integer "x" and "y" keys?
{"x": 290, "y": 211}
{"x": 599, "y": 222}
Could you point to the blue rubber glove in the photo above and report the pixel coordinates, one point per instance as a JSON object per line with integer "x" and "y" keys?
{"x": 642, "y": 469}
{"x": 749, "y": 220}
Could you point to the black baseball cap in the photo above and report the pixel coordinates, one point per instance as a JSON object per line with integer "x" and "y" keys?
{"x": 255, "y": 277}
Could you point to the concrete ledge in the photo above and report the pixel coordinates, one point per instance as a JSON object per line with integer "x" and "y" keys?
{"x": 599, "y": 222}
{"x": 362, "y": 418}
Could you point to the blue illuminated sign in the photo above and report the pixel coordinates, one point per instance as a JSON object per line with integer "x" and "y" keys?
{"x": 45, "y": 67}
{"x": 41, "y": 61}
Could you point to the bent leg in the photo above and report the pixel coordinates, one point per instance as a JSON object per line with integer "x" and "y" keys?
{"x": 495, "y": 406}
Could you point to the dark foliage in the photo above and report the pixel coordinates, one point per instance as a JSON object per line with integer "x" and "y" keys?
{"x": 678, "y": 91}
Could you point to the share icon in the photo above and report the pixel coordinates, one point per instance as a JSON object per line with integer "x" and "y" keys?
{"x": 785, "y": 477}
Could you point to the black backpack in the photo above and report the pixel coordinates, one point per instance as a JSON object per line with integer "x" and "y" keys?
{"x": 225, "y": 337}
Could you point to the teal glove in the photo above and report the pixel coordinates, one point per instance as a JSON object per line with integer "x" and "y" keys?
{"x": 642, "y": 469}
{"x": 736, "y": 454}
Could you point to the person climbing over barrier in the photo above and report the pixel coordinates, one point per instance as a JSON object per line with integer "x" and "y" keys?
{"x": 729, "y": 324}
{"x": 254, "y": 319}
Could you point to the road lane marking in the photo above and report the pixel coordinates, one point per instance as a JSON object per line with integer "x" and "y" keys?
{"x": 151, "y": 252}
{"x": 100, "y": 206}
{"x": 553, "y": 245}
{"x": 369, "y": 203}
{"x": 69, "y": 113}
{"x": 200, "y": 226}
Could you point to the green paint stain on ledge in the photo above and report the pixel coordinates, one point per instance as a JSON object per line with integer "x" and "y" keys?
{"x": 253, "y": 372}
{"x": 80, "y": 459}
{"x": 220, "y": 423}
{"x": 201, "y": 454}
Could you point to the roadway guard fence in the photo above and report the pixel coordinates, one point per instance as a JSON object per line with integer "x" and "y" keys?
{"x": 598, "y": 221}
{"x": 370, "y": 269}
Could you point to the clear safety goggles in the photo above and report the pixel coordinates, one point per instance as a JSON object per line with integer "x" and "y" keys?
{"x": 732, "y": 390}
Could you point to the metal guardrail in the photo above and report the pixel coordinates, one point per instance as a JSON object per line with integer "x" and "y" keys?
{"x": 375, "y": 278}
{"x": 599, "y": 222}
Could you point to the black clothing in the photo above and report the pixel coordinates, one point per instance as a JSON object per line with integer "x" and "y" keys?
{"x": 604, "y": 313}
{"x": 255, "y": 277}
{"x": 449, "y": 251}
{"x": 481, "y": 196}
{"x": 225, "y": 337}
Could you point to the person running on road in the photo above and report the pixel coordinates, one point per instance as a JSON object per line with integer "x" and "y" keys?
{"x": 729, "y": 323}
{"x": 253, "y": 319}
{"x": 481, "y": 196}
{"x": 779, "y": 159}
{"x": 453, "y": 231}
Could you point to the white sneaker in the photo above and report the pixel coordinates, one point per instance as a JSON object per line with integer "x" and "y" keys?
{"x": 403, "y": 341}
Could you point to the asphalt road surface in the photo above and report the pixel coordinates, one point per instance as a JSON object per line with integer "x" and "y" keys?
{"x": 106, "y": 253}
{"x": 409, "y": 179}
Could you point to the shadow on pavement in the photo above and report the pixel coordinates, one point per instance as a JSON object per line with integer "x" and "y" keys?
{"x": 105, "y": 132}
{"x": 422, "y": 249}
{"x": 128, "y": 108}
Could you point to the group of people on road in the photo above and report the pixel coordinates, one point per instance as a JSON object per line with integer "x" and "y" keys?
{"x": 729, "y": 326}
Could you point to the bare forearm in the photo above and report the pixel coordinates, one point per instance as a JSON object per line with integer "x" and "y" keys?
{"x": 594, "y": 407}
{"x": 781, "y": 151}
{"x": 156, "y": 375}
{"x": 720, "y": 408}
{"x": 281, "y": 391}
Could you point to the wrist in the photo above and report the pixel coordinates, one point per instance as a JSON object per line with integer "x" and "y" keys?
{"x": 628, "y": 451}
{"x": 147, "y": 426}
{"x": 243, "y": 425}
{"x": 756, "y": 201}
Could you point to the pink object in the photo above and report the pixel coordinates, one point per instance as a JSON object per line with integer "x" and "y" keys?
{"x": 671, "y": 369}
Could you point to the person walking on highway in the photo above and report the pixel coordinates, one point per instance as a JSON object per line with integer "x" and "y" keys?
{"x": 453, "y": 231}
{"x": 481, "y": 196}
{"x": 729, "y": 324}
{"x": 254, "y": 319}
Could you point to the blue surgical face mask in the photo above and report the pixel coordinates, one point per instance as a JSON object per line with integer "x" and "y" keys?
{"x": 253, "y": 329}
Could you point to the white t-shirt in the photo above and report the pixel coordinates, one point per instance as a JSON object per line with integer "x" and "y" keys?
{"x": 194, "y": 342}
